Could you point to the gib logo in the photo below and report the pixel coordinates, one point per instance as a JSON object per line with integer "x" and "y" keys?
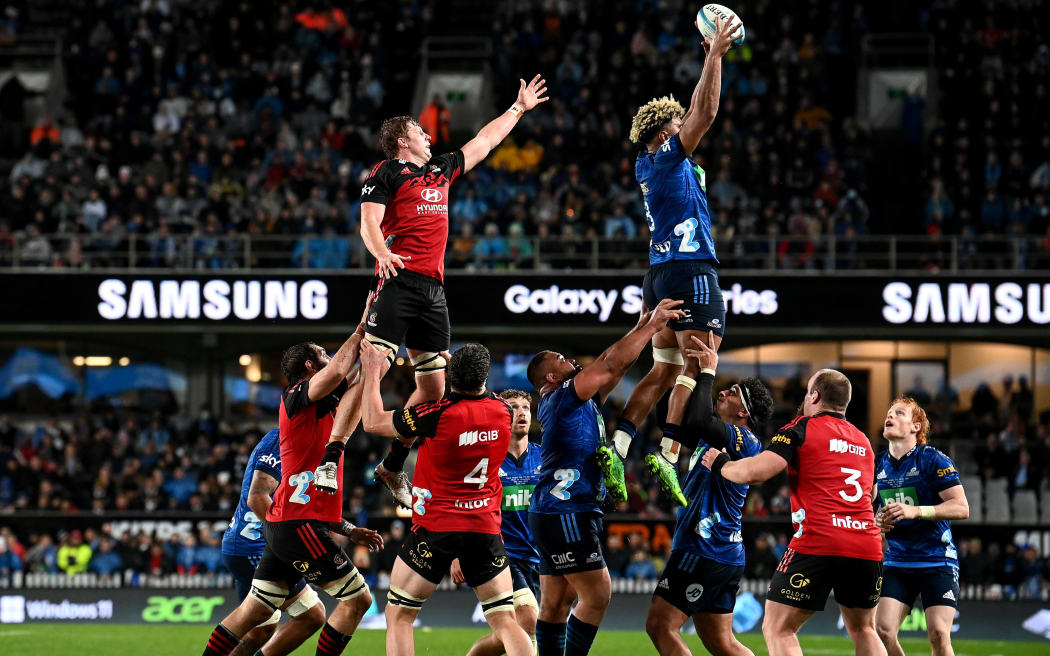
{"x": 966, "y": 303}
{"x": 180, "y": 609}
{"x": 215, "y": 300}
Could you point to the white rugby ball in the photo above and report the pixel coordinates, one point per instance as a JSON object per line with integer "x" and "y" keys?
{"x": 705, "y": 20}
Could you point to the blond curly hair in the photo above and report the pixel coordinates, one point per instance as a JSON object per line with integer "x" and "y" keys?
{"x": 652, "y": 116}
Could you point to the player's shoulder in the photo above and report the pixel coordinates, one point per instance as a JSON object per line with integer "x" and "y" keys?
{"x": 881, "y": 457}
{"x": 744, "y": 440}
{"x": 269, "y": 441}
{"x": 931, "y": 455}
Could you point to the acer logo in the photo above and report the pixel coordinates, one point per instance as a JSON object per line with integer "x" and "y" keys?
{"x": 842, "y": 446}
{"x": 469, "y": 438}
{"x": 431, "y": 195}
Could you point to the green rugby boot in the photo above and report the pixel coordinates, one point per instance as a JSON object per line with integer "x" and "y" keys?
{"x": 612, "y": 471}
{"x": 667, "y": 473}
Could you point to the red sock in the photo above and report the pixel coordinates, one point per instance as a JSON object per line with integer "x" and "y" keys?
{"x": 221, "y": 642}
{"x": 330, "y": 642}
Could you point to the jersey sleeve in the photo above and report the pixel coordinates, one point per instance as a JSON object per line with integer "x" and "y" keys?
{"x": 941, "y": 471}
{"x": 418, "y": 421}
{"x": 701, "y": 420}
{"x": 262, "y": 464}
{"x": 670, "y": 154}
{"x": 297, "y": 398}
{"x": 378, "y": 186}
{"x": 740, "y": 442}
{"x": 787, "y": 441}
{"x": 453, "y": 164}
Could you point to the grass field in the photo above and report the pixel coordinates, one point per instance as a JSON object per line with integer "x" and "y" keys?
{"x": 138, "y": 640}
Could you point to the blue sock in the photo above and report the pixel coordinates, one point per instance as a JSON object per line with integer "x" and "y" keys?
{"x": 550, "y": 638}
{"x": 578, "y": 637}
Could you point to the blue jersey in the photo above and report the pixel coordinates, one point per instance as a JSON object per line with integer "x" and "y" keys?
{"x": 675, "y": 194}
{"x": 917, "y": 479}
{"x": 710, "y": 525}
{"x": 573, "y": 429}
{"x": 244, "y": 535}
{"x": 519, "y": 478}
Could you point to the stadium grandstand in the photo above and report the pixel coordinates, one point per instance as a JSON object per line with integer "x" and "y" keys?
{"x": 182, "y": 200}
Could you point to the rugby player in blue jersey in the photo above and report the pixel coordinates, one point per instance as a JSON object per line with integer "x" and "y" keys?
{"x": 918, "y": 491}
{"x": 243, "y": 542}
{"x": 566, "y": 511}
{"x": 682, "y": 264}
{"x": 519, "y": 473}
{"x": 707, "y": 554}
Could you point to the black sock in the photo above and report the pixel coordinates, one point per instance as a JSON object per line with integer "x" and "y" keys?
{"x": 331, "y": 642}
{"x": 578, "y": 637}
{"x": 221, "y": 642}
{"x": 395, "y": 460}
{"x": 550, "y": 638}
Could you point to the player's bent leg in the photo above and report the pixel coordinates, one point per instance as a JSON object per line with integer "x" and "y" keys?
{"x": 664, "y": 623}
{"x": 888, "y": 617}
{"x": 667, "y": 365}
{"x": 253, "y": 611}
{"x": 939, "y": 621}
{"x": 354, "y": 598}
{"x": 556, "y": 597}
{"x": 716, "y": 632}
{"x": 594, "y": 588}
{"x": 430, "y": 376}
{"x": 305, "y": 616}
{"x": 860, "y": 624}
{"x": 497, "y": 602}
{"x": 780, "y": 628}
{"x": 256, "y": 638}
{"x": 408, "y": 592}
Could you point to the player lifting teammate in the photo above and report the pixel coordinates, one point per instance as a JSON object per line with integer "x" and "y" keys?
{"x": 831, "y": 473}
{"x": 456, "y": 490}
{"x": 404, "y": 225}
{"x": 707, "y": 555}
{"x": 314, "y": 417}
{"x": 566, "y": 510}
{"x": 919, "y": 491}
{"x": 682, "y": 264}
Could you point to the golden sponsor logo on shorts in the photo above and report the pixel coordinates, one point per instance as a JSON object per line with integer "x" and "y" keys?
{"x": 780, "y": 437}
{"x": 798, "y": 580}
{"x": 878, "y": 585}
{"x": 423, "y": 549}
{"x": 794, "y": 595}
{"x": 301, "y": 565}
{"x": 499, "y": 561}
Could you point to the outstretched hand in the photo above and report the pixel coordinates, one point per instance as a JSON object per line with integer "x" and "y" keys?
{"x": 532, "y": 94}
{"x": 722, "y": 41}
{"x": 665, "y": 312}
{"x": 372, "y": 359}
{"x": 704, "y": 353}
{"x": 367, "y": 537}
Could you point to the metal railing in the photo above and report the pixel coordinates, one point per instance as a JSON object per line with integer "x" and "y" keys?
{"x": 71, "y": 252}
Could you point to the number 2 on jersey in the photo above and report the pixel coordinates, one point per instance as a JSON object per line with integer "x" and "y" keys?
{"x": 851, "y": 480}
{"x": 687, "y": 230}
{"x": 301, "y": 482}
{"x": 252, "y": 526}
{"x": 565, "y": 478}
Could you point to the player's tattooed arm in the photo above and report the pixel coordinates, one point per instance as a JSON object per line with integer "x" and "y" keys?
{"x": 259, "y": 492}
{"x": 703, "y": 106}
{"x": 601, "y": 376}
{"x": 490, "y": 136}
{"x": 325, "y": 381}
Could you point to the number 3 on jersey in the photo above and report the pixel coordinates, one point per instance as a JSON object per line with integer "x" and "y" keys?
{"x": 565, "y": 478}
{"x": 851, "y": 480}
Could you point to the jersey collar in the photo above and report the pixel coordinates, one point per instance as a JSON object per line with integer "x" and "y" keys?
{"x": 518, "y": 462}
{"x": 896, "y": 462}
{"x": 828, "y": 413}
{"x": 456, "y": 396}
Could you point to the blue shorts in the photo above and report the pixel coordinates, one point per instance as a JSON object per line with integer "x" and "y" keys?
{"x": 938, "y": 585}
{"x": 692, "y": 281}
{"x": 243, "y": 570}
{"x": 525, "y": 575}
{"x": 568, "y": 542}
{"x": 694, "y": 584}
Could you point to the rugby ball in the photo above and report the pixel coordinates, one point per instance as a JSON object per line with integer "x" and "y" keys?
{"x": 705, "y": 20}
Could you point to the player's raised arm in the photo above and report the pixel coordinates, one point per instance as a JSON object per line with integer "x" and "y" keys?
{"x": 703, "y": 106}
{"x": 328, "y": 378}
{"x": 602, "y": 375}
{"x": 490, "y": 136}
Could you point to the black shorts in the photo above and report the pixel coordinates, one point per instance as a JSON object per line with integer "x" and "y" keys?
{"x": 301, "y": 549}
{"x": 938, "y": 586}
{"x": 242, "y": 568}
{"x": 692, "y": 281}
{"x": 694, "y": 584}
{"x": 430, "y": 554}
{"x": 525, "y": 576}
{"x": 568, "y": 542}
{"x": 411, "y": 310}
{"x": 805, "y": 580}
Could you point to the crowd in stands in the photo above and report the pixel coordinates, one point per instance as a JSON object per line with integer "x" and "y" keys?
{"x": 190, "y": 125}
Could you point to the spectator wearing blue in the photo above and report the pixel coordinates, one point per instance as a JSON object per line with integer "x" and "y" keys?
{"x": 155, "y": 434}
{"x": 208, "y": 555}
{"x": 186, "y": 556}
{"x": 468, "y": 207}
{"x": 619, "y": 224}
{"x": 327, "y": 252}
{"x": 939, "y": 208}
{"x": 105, "y": 561}
{"x": 180, "y": 486}
{"x": 490, "y": 251}
{"x": 993, "y": 213}
{"x": 640, "y": 567}
{"x": 9, "y": 561}
{"x": 42, "y": 556}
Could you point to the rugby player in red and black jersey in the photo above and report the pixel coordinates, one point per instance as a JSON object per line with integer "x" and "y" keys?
{"x": 315, "y": 417}
{"x": 837, "y": 546}
{"x": 404, "y": 224}
{"x": 457, "y": 494}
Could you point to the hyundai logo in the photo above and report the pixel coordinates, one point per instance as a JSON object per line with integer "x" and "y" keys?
{"x": 431, "y": 195}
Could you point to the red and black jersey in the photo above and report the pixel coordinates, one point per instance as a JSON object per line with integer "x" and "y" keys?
{"x": 456, "y": 485}
{"x": 305, "y": 428}
{"x": 417, "y": 200}
{"x": 831, "y": 470}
